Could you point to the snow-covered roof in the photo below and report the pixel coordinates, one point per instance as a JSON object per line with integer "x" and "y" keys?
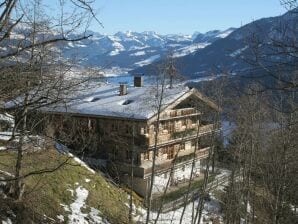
{"x": 101, "y": 99}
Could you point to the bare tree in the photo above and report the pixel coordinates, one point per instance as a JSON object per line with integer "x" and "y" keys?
{"x": 31, "y": 76}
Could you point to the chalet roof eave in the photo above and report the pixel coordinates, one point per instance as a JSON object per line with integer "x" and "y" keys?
{"x": 95, "y": 116}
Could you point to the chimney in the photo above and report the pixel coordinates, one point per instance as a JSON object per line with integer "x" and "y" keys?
{"x": 138, "y": 80}
{"x": 123, "y": 89}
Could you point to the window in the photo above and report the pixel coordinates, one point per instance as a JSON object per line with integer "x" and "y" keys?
{"x": 137, "y": 160}
{"x": 114, "y": 127}
{"x": 128, "y": 155}
{"x": 163, "y": 151}
{"x": 127, "y": 129}
{"x": 170, "y": 152}
{"x": 177, "y": 124}
{"x": 161, "y": 126}
{"x": 146, "y": 155}
{"x": 173, "y": 114}
{"x": 170, "y": 127}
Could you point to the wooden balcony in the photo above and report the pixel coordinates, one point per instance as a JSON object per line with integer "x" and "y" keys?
{"x": 179, "y": 113}
{"x": 165, "y": 138}
{"x": 161, "y": 165}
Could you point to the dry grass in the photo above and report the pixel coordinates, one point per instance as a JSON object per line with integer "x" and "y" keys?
{"x": 46, "y": 192}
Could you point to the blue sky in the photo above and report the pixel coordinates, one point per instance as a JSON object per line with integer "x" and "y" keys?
{"x": 180, "y": 16}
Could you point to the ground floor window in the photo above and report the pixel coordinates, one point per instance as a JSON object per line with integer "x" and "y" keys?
{"x": 146, "y": 155}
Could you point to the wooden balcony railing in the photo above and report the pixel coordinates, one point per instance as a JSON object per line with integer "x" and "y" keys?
{"x": 165, "y": 137}
{"x": 145, "y": 168}
{"x": 178, "y": 113}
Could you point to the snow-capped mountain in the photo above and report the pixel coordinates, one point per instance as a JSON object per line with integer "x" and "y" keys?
{"x": 129, "y": 50}
{"x": 226, "y": 50}
{"x": 212, "y": 35}
{"x": 123, "y": 51}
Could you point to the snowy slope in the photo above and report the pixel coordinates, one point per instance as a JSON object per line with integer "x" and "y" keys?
{"x": 129, "y": 50}
{"x": 122, "y": 51}
{"x": 226, "y": 50}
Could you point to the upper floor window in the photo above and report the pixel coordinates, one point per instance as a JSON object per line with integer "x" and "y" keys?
{"x": 114, "y": 127}
{"x": 173, "y": 113}
{"x": 128, "y": 129}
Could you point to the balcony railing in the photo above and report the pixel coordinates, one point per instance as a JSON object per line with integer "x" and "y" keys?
{"x": 161, "y": 165}
{"x": 165, "y": 137}
{"x": 178, "y": 113}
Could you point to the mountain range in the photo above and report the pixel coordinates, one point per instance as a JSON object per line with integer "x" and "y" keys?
{"x": 125, "y": 51}
{"x": 272, "y": 40}
{"x": 195, "y": 55}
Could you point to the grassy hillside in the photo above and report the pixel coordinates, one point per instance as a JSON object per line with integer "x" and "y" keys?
{"x": 71, "y": 189}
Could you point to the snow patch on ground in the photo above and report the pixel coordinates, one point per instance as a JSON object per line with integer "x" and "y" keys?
{"x": 7, "y": 118}
{"x": 82, "y": 163}
{"x": 5, "y": 135}
{"x": 210, "y": 211}
{"x": 225, "y": 33}
{"x": 61, "y": 218}
{"x": 148, "y": 60}
{"x": 118, "y": 47}
{"x": 64, "y": 150}
{"x": 75, "y": 209}
{"x": 8, "y": 221}
{"x": 238, "y": 52}
{"x": 95, "y": 216}
{"x": 138, "y": 53}
{"x": 76, "y": 215}
{"x": 6, "y": 173}
{"x": 2, "y": 148}
{"x": 71, "y": 191}
{"x": 189, "y": 49}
